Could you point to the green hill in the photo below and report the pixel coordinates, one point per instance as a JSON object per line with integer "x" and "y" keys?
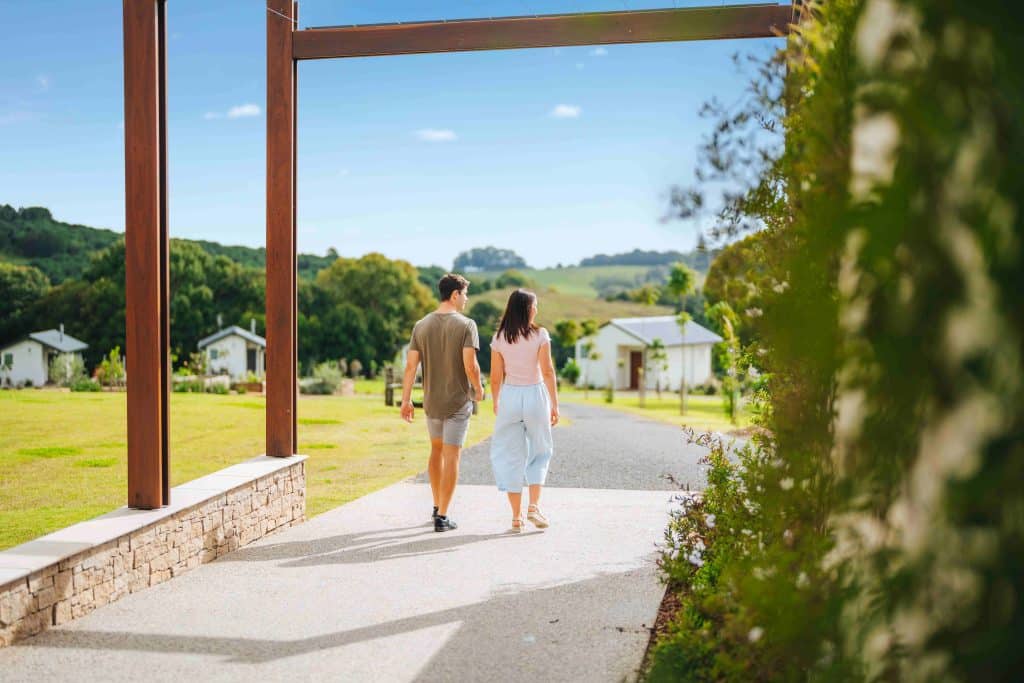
{"x": 31, "y": 236}
{"x": 555, "y": 305}
{"x": 591, "y": 281}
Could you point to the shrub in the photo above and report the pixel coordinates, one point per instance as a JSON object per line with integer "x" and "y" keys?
{"x": 66, "y": 369}
{"x": 111, "y": 369}
{"x": 85, "y": 384}
{"x": 571, "y": 371}
{"x": 325, "y": 380}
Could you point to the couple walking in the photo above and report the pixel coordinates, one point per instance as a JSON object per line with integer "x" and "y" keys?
{"x": 523, "y": 389}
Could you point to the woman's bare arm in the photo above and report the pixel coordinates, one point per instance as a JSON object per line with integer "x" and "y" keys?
{"x": 547, "y": 371}
{"x": 497, "y": 377}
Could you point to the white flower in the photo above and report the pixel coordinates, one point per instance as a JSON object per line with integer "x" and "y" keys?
{"x": 786, "y": 484}
{"x": 710, "y": 521}
{"x": 755, "y": 634}
{"x": 801, "y": 580}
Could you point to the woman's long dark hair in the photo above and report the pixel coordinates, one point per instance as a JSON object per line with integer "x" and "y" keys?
{"x": 515, "y": 322}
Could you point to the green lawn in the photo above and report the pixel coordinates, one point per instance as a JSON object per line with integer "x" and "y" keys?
{"x": 63, "y": 455}
{"x": 703, "y": 413}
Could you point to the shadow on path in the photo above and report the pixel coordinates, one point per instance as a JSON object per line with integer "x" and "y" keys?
{"x": 489, "y": 641}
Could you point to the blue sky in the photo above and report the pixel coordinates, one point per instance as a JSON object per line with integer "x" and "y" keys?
{"x": 556, "y": 153}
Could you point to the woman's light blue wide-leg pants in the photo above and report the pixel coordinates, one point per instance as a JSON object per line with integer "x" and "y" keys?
{"x": 521, "y": 446}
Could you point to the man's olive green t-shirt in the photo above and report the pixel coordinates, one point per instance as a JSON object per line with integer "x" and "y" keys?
{"x": 440, "y": 339}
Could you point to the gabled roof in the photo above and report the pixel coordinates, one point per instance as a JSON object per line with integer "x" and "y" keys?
{"x": 665, "y": 328}
{"x": 57, "y": 341}
{"x": 233, "y": 330}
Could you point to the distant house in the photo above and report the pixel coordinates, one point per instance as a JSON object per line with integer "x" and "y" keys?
{"x": 622, "y": 345}
{"x": 26, "y": 362}
{"x": 236, "y": 352}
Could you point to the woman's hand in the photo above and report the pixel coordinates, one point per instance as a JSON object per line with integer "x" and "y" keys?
{"x": 494, "y": 404}
{"x": 554, "y": 415}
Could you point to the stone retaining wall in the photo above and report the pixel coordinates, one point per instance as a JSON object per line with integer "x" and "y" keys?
{"x": 182, "y": 540}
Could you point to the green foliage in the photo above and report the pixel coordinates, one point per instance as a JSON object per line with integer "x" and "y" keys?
{"x": 20, "y": 287}
{"x": 326, "y": 379}
{"x": 486, "y": 315}
{"x": 66, "y": 369}
{"x": 882, "y": 502}
{"x": 698, "y": 259}
{"x": 85, "y": 384}
{"x": 111, "y": 369}
{"x": 657, "y": 362}
{"x": 571, "y": 371}
{"x": 511, "y": 278}
{"x": 488, "y": 258}
{"x": 361, "y": 309}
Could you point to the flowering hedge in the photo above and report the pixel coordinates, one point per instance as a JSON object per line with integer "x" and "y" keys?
{"x": 876, "y": 530}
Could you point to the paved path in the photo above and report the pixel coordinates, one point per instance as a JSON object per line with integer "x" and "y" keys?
{"x": 369, "y": 592}
{"x": 602, "y": 448}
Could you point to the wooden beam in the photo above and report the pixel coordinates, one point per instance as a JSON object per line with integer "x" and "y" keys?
{"x": 555, "y": 30}
{"x": 146, "y": 260}
{"x": 282, "y": 295}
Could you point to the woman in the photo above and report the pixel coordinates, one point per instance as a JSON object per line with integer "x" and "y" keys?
{"x": 526, "y": 405}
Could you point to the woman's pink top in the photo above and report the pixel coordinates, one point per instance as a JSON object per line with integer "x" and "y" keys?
{"x": 522, "y": 367}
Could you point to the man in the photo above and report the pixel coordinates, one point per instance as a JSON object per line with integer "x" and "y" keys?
{"x": 445, "y": 342}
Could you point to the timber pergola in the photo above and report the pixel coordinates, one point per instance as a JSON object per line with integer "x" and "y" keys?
{"x": 146, "y": 234}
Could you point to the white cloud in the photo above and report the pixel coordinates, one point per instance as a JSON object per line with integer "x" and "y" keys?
{"x": 241, "y": 111}
{"x": 566, "y": 111}
{"x": 43, "y": 81}
{"x": 436, "y": 135}
{"x": 244, "y": 110}
{"x": 599, "y": 52}
{"x": 579, "y": 66}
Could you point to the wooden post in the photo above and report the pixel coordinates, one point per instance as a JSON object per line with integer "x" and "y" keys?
{"x": 146, "y": 252}
{"x": 282, "y": 300}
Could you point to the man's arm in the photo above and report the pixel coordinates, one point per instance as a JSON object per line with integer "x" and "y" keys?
{"x": 412, "y": 359}
{"x": 473, "y": 371}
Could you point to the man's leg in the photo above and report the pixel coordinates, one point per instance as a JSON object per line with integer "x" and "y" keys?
{"x": 435, "y": 469}
{"x": 449, "y": 476}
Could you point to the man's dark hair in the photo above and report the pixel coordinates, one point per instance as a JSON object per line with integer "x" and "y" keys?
{"x": 450, "y": 284}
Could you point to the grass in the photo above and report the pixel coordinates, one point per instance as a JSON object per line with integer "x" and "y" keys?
{"x": 554, "y": 306}
{"x": 703, "y": 413}
{"x": 576, "y": 280}
{"x": 54, "y": 477}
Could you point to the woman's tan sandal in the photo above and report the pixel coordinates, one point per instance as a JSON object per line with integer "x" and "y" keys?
{"x": 537, "y": 517}
{"x": 517, "y": 526}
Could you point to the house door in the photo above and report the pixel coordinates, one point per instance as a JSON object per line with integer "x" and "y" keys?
{"x": 636, "y": 361}
{"x": 250, "y": 360}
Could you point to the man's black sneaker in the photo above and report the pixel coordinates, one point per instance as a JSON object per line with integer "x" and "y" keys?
{"x": 444, "y": 524}
{"x": 433, "y": 515}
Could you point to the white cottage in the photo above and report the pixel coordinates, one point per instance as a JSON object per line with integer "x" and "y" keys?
{"x": 235, "y": 351}
{"x": 26, "y": 362}
{"x": 622, "y": 347}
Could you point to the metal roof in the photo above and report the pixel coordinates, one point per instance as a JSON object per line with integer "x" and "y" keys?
{"x": 228, "y": 331}
{"x": 665, "y": 328}
{"x": 62, "y": 342}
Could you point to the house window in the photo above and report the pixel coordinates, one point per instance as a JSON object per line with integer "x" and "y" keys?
{"x": 213, "y": 354}
{"x": 8, "y": 361}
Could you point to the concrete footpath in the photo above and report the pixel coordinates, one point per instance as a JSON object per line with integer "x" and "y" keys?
{"x": 369, "y": 592}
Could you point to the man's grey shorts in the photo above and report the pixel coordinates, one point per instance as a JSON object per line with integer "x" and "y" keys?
{"x": 452, "y": 429}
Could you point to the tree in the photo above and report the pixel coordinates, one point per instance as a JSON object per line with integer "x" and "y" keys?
{"x": 682, "y": 319}
{"x": 488, "y": 258}
{"x": 739, "y": 275}
{"x": 657, "y": 360}
{"x": 511, "y": 278}
{"x": 366, "y": 308}
{"x": 486, "y": 315}
{"x": 681, "y": 280}
{"x": 20, "y": 287}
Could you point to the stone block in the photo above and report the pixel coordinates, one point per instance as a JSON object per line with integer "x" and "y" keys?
{"x": 159, "y": 577}
{"x": 46, "y": 597}
{"x": 62, "y": 612}
{"x": 63, "y": 584}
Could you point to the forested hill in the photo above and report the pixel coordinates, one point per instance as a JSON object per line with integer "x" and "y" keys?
{"x": 699, "y": 259}
{"x": 62, "y": 251}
